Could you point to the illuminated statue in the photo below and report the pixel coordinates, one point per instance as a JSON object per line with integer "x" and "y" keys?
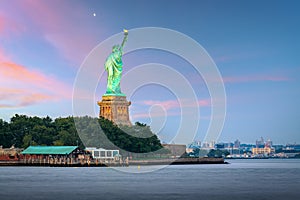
{"x": 114, "y": 67}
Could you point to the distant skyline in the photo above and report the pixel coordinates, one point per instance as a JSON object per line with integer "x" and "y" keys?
{"x": 255, "y": 45}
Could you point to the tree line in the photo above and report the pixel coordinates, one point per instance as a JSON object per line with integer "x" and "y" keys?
{"x": 23, "y": 131}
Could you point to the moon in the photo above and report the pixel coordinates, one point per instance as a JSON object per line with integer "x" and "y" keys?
{"x": 94, "y": 14}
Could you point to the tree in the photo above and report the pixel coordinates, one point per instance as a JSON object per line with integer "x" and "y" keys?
{"x": 6, "y": 138}
{"x": 217, "y": 153}
{"x": 95, "y": 132}
{"x": 136, "y": 139}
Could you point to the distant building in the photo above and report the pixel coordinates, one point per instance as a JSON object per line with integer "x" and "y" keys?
{"x": 208, "y": 145}
{"x": 260, "y": 143}
{"x": 212, "y": 144}
{"x": 278, "y": 147}
{"x": 292, "y": 147}
{"x": 205, "y": 145}
{"x": 237, "y": 144}
{"x": 264, "y": 150}
{"x": 198, "y": 143}
{"x": 269, "y": 143}
{"x": 247, "y": 147}
{"x": 220, "y": 146}
{"x": 195, "y": 144}
{"x": 228, "y": 145}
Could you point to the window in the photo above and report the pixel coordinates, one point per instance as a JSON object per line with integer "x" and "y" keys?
{"x": 96, "y": 154}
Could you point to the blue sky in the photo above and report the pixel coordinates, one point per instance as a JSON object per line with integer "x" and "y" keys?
{"x": 255, "y": 45}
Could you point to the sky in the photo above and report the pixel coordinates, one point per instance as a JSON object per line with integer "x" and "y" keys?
{"x": 254, "y": 44}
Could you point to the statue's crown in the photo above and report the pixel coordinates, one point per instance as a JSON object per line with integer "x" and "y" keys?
{"x": 116, "y": 47}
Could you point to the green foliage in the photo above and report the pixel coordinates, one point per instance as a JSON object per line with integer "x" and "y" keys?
{"x": 213, "y": 153}
{"x": 27, "y": 140}
{"x": 137, "y": 139}
{"x": 23, "y": 131}
{"x": 217, "y": 153}
{"x": 6, "y": 137}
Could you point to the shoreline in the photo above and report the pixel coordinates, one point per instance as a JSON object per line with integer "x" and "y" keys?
{"x": 179, "y": 161}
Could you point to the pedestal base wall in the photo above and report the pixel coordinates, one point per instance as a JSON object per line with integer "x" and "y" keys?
{"x": 115, "y": 109}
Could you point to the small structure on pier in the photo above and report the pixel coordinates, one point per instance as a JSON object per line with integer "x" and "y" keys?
{"x": 103, "y": 153}
{"x": 11, "y": 153}
{"x": 69, "y": 156}
{"x": 54, "y": 154}
{"x": 51, "y": 150}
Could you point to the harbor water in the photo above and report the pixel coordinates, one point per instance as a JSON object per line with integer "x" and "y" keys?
{"x": 241, "y": 179}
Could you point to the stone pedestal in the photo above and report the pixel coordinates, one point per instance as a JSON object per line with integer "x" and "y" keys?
{"x": 115, "y": 109}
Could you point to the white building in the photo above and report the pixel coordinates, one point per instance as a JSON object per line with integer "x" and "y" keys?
{"x": 102, "y": 153}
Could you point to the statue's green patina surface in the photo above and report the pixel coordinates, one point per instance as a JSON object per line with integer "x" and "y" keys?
{"x": 114, "y": 68}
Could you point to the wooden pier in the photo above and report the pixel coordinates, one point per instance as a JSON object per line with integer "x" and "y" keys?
{"x": 71, "y": 162}
{"x": 64, "y": 162}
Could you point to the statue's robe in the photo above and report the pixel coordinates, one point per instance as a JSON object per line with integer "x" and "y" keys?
{"x": 114, "y": 66}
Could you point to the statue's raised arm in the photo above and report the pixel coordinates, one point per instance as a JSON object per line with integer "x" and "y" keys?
{"x": 125, "y": 38}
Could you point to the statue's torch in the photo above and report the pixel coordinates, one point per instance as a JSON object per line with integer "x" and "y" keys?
{"x": 125, "y": 37}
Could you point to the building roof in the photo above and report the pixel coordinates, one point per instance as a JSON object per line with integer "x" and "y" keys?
{"x": 47, "y": 150}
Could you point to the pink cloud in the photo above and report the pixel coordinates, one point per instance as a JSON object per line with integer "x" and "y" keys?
{"x": 136, "y": 116}
{"x": 173, "y": 104}
{"x": 21, "y": 86}
{"x": 165, "y": 104}
{"x": 20, "y": 73}
{"x": 14, "y": 98}
{"x": 12, "y": 73}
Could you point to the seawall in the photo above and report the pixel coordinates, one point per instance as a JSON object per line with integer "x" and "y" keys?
{"x": 179, "y": 161}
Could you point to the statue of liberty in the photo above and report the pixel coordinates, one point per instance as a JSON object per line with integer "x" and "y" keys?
{"x": 114, "y": 67}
